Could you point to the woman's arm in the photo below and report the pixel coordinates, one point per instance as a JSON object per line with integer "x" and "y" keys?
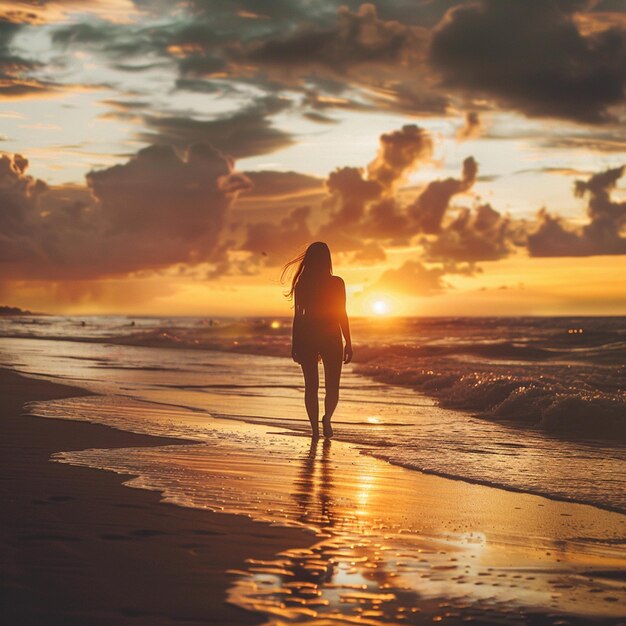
{"x": 345, "y": 325}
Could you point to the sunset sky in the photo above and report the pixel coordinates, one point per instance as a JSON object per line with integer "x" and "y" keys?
{"x": 460, "y": 158}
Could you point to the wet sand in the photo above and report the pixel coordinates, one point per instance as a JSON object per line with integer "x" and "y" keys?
{"x": 390, "y": 545}
{"x": 80, "y": 548}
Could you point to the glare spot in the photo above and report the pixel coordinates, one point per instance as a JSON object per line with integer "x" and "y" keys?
{"x": 275, "y": 324}
{"x": 380, "y": 307}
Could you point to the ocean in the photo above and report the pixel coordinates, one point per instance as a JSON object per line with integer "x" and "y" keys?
{"x": 521, "y": 413}
{"x": 527, "y": 404}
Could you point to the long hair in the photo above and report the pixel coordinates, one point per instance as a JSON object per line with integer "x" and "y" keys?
{"x": 311, "y": 265}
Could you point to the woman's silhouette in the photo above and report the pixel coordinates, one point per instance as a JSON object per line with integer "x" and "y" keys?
{"x": 319, "y": 320}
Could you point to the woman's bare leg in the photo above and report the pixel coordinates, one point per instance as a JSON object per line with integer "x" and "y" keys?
{"x": 311, "y": 387}
{"x": 332, "y": 376}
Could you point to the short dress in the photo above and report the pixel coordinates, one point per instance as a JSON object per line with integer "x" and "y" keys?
{"x": 316, "y": 324}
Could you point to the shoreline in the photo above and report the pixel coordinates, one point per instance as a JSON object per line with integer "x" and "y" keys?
{"x": 83, "y": 548}
{"x": 80, "y": 547}
{"x": 514, "y": 425}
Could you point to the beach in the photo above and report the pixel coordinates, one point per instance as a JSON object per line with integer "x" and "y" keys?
{"x": 79, "y": 548}
{"x": 233, "y": 516}
{"x": 224, "y": 222}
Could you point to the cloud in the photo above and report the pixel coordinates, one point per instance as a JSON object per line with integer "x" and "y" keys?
{"x": 46, "y": 11}
{"x": 274, "y": 184}
{"x": 274, "y": 243}
{"x": 602, "y": 235}
{"x": 400, "y": 152}
{"x": 371, "y": 252}
{"x": 412, "y": 278}
{"x": 386, "y": 220}
{"x": 245, "y": 133}
{"x": 366, "y": 215}
{"x": 384, "y": 58}
{"x": 351, "y": 192}
{"x": 614, "y": 140}
{"x": 391, "y": 55}
{"x": 185, "y": 48}
{"x": 19, "y": 198}
{"x": 472, "y": 127}
{"x": 479, "y": 235}
{"x": 533, "y": 57}
{"x": 362, "y": 200}
{"x": 281, "y": 11}
{"x": 428, "y": 209}
{"x": 16, "y": 80}
{"x": 356, "y": 39}
{"x": 156, "y": 210}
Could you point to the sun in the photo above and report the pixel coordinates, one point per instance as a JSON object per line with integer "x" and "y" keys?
{"x": 380, "y": 307}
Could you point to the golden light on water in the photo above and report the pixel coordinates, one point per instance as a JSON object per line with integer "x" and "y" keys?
{"x": 275, "y": 324}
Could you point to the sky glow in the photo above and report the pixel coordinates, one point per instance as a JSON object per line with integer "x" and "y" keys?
{"x": 183, "y": 151}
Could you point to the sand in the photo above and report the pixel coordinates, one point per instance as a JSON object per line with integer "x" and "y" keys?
{"x": 80, "y": 548}
{"x": 392, "y": 545}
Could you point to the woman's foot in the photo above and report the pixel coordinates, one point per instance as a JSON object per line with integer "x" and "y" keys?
{"x": 315, "y": 431}
{"x": 328, "y": 429}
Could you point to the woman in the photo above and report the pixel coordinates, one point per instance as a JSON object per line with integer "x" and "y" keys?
{"x": 319, "y": 319}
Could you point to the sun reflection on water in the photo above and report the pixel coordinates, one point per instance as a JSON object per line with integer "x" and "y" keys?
{"x": 392, "y": 546}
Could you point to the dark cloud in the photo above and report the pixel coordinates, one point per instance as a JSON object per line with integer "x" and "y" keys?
{"x": 365, "y": 214}
{"x": 352, "y": 191}
{"x": 273, "y": 184}
{"x": 193, "y": 46}
{"x": 614, "y": 140}
{"x": 117, "y": 41}
{"x": 428, "y": 209}
{"x": 151, "y": 212}
{"x": 400, "y": 151}
{"x": 127, "y": 105}
{"x": 19, "y": 198}
{"x": 482, "y": 234}
{"x": 539, "y": 58}
{"x": 320, "y": 118}
{"x": 531, "y": 56}
{"x": 304, "y": 46}
{"x": 385, "y": 56}
{"x": 247, "y": 132}
{"x": 359, "y": 38}
{"x": 16, "y": 72}
{"x": 386, "y": 220}
{"x": 198, "y": 85}
{"x": 282, "y": 11}
{"x": 275, "y": 243}
{"x": 600, "y": 236}
{"x": 316, "y": 103}
{"x": 472, "y": 127}
{"x": 363, "y": 201}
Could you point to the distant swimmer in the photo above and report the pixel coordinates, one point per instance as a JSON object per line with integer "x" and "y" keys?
{"x": 319, "y": 321}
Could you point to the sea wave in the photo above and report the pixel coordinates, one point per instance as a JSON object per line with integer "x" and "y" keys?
{"x": 557, "y": 403}
{"x": 562, "y": 375}
{"x": 557, "y": 381}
